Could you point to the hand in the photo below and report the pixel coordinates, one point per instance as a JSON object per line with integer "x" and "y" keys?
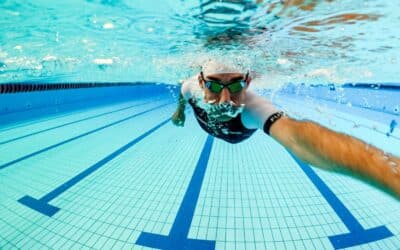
{"x": 178, "y": 118}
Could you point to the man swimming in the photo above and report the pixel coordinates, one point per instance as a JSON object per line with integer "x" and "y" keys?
{"x": 225, "y": 108}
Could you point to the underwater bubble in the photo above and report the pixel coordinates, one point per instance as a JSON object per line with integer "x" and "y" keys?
{"x": 49, "y": 65}
{"x": 282, "y": 61}
{"x": 108, "y": 26}
{"x": 18, "y": 47}
{"x": 103, "y": 63}
{"x": 49, "y": 58}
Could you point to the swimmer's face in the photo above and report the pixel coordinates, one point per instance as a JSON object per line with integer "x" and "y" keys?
{"x": 225, "y": 96}
{"x": 228, "y": 103}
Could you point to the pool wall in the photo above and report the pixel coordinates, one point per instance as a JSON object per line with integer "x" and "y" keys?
{"x": 369, "y": 96}
{"x": 22, "y": 102}
{"x": 18, "y": 104}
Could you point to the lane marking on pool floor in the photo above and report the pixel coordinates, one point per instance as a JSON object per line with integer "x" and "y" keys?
{"x": 357, "y": 235}
{"x": 73, "y": 122}
{"x": 178, "y": 235}
{"x": 42, "y": 205}
{"x": 79, "y": 137}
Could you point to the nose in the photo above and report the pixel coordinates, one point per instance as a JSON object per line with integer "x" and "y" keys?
{"x": 225, "y": 96}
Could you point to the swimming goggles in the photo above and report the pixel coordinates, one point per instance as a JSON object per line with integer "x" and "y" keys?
{"x": 234, "y": 87}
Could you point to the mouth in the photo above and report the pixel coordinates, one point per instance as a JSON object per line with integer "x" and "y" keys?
{"x": 223, "y": 111}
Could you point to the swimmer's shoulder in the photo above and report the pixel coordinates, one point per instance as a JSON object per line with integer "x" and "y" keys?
{"x": 257, "y": 110}
{"x": 190, "y": 87}
{"x": 252, "y": 99}
{"x": 248, "y": 117}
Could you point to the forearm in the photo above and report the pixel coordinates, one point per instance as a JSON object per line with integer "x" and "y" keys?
{"x": 181, "y": 103}
{"x": 338, "y": 152}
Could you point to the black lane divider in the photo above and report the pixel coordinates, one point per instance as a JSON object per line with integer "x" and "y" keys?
{"x": 78, "y": 137}
{"x": 69, "y": 123}
{"x": 178, "y": 236}
{"x": 29, "y": 87}
{"x": 42, "y": 205}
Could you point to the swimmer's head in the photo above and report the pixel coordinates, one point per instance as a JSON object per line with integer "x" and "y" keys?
{"x": 224, "y": 86}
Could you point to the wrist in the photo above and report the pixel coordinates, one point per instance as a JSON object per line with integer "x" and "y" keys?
{"x": 271, "y": 120}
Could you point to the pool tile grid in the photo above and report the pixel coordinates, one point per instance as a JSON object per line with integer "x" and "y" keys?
{"x": 239, "y": 202}
{"x": 140, "y": 217}
{"x": 68, "y": 157}
{"x": 32, "y": 128}
{"x": 19, "y": 150}
{"x": 54, "y": 175}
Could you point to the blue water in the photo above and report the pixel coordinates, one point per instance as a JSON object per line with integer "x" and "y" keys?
{"x": 104, "y": 168}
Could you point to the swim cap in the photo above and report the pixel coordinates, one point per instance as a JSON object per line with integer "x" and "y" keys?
{"x": 216, "y": 67}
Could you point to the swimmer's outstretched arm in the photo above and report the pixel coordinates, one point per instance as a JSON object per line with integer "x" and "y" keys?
{"x": 338, "y": 152}
{"x": 178, "y": 118}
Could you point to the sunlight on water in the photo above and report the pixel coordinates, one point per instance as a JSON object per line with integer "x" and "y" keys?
{"x": 166, "y": 41}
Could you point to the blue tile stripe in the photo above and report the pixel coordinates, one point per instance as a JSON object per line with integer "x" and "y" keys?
{"x": 177, "y": 238}
{"x": 358, "y": 235}
{"x": 41, "y": 205}
{"x": 73, "y": 122}
{"x": 78, "y": 137}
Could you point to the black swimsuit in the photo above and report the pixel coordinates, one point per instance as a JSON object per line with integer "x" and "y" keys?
{"x": 232, "y": 131}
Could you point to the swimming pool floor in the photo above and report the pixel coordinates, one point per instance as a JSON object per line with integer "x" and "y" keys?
{"x": 122, "y": 176}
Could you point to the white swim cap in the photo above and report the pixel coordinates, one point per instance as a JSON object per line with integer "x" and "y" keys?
{"x": 215, "y": 67}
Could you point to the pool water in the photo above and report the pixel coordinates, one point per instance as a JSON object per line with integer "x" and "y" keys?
{"x": 89, "y": 158}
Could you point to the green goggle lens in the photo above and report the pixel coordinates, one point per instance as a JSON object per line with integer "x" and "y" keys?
{"x": 216, "y": 87}
{"x": 235, "y": 87}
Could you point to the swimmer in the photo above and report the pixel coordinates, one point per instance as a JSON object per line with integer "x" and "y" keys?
{"x": 225, "y": 108}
